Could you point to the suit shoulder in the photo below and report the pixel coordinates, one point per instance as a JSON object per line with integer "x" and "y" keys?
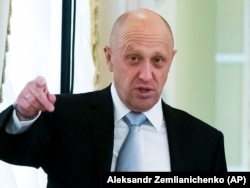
{"x": 188, "y": 121}
{"x": 89, "y": 98}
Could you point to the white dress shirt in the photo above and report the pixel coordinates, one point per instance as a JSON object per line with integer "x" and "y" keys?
{"x": 156, "y": 150}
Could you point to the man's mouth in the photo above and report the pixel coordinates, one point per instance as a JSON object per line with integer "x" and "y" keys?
{"x": 144, "y": 90}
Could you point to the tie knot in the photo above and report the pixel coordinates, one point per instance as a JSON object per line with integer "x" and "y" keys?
{"x": 135, "y": 119}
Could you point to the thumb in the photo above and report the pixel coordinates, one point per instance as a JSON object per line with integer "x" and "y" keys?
{"x": 51, "y": 97}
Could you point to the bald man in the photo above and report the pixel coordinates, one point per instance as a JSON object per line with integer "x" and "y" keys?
{"x": 76, "y": 137}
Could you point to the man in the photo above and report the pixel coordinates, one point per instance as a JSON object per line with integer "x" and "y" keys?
{"x": 75, "y": 138}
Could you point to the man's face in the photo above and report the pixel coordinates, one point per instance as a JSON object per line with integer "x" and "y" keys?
{"x": 140, "y": 62}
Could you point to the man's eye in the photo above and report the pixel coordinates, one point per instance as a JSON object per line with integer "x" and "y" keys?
{"x": 159, "y": 61}
{"x": 134, "y": 58}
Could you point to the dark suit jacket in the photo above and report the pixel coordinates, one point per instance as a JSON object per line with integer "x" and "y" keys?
{"x": 74, "y": 144}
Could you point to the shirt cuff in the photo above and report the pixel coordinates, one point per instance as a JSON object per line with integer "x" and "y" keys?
{"x": 15, "y": 126}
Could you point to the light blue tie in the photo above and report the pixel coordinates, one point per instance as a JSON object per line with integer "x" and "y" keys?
{"x": 130, "y": 154}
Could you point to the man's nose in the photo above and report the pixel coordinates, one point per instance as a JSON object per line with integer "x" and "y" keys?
{"x": 146, "y": 71}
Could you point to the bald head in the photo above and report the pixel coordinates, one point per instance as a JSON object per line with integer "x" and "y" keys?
{"x": 140, "y": 55}
{"x": 140, "y": 20}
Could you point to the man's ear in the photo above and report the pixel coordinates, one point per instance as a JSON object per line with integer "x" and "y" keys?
{"x": 107, "y": 52}
{"x": 173, "y": 54}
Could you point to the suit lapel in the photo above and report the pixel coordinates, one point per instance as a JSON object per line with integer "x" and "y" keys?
{"x": 176, "y": 138}
{"x": 101, "y": 125}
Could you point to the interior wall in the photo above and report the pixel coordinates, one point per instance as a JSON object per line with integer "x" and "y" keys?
{"x": 211, "y": 77}
{"x": 195, "y": 64}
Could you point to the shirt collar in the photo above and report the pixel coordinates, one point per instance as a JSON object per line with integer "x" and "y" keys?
{"x": 154, "y": 115}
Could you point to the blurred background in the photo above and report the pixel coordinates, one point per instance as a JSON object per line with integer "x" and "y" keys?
{"x": 63, "y": 40}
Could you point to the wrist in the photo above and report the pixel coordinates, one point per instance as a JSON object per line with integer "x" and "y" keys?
{"x": 21, "y": 116}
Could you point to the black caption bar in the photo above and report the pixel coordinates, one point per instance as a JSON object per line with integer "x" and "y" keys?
{"x": 176, "y": 179}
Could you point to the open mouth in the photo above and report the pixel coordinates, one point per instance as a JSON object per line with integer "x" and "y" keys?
{"x": 144, "y": 90}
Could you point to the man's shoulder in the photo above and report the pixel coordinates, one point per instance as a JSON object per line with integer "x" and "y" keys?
{"x": 186, "y": 120}
{"x": 91, "y": 97}
{"x": 88, "y": 95}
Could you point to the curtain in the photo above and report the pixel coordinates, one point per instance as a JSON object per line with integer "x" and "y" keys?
{"x": 94, "y": 7}
{"x": 5, "y": 13}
